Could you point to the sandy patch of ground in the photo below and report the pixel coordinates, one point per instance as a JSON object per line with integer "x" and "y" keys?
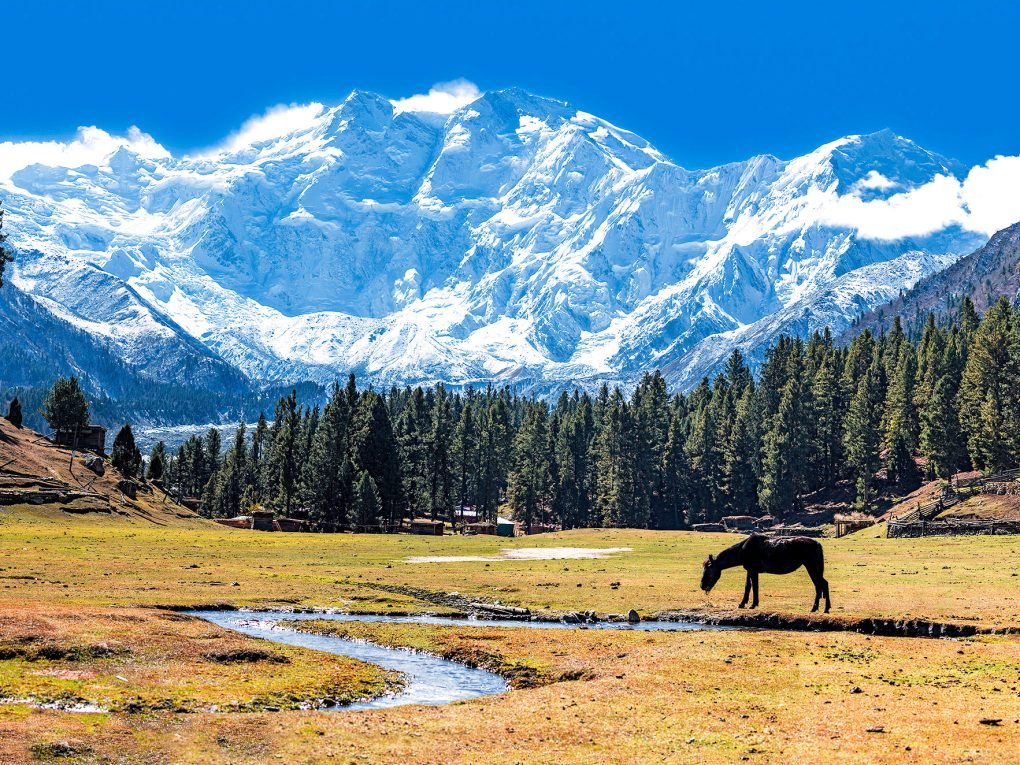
{"x": 525, "y": 553}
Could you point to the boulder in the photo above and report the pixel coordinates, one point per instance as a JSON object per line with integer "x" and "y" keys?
{"x": 633, "y": 617}
{"x": 127, "y": 487}
{"x": 95, "y": 463}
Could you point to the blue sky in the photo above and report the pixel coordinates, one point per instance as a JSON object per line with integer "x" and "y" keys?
{"x": 704, "y": 84}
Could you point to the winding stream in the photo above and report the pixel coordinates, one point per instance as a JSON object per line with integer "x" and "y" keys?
{"x": 430, "y": 679}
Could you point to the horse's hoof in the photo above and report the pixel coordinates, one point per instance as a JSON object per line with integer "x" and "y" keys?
{"x": 741, "y": 606}
{"x": 814, "y": 610}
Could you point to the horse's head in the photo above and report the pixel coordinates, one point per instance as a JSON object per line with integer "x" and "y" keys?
{"x": 710, "y": 574}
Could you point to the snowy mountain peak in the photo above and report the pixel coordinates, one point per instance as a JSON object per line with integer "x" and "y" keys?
{"x": 460, "y": 237}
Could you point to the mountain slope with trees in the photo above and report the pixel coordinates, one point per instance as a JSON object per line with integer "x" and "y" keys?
{"x": 991, "y": 272}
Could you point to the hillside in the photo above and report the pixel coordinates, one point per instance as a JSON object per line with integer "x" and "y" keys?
{"x": 40, "y": 483}
{"x": 985, "y": 275}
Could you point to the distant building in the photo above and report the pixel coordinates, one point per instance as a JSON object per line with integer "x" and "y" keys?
{"x": 427, "y": 527}
{"x": 739, "y": 522}
{"x": 91, "y": 438}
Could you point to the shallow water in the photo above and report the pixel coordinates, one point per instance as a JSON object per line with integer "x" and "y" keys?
{"x": 430, "y": 679}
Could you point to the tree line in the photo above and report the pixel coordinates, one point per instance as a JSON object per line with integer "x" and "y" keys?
{"x": 880, "y": 412}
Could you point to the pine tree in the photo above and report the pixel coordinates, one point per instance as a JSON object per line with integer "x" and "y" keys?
{"x": 412, "y": 428}
{"x": 901, "y": 427}
{"x": 529, "y": 482}
{"x": 283, "y": 466}
{"x": 651, "y": 429}
{"x": 465, "y": 454}
{"x": 257, "y": 477}
{"x": 14, "y": 413}
{"x": 494, "y": 452}
{"x": 989, "y": 391}
{"x": 739, "y": 474}
{"x": 323, "y": 476}
{"x": 707, "y": 462}
{"x": 373, "y": 449}
{"x": 615, "y": 465}
{"x": 157, "y": 461}
{"x": 676, "y": 472}
{"x": 232, "y": 477}
{"x": 783, "y": 453}
{"x": 861, "y": 435}
{"x": 125, "y": 456}
{"x": 438, "y": 461}
{"x": 572, "y": 495}
{"x": 825, "y": 442}
{"x": 213, "y": 446}
{"x": 65, "y": 407}
{"x": 366, "y": 505}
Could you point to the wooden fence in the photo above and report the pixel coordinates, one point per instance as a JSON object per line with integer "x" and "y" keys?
{"x": 921, "y": 522}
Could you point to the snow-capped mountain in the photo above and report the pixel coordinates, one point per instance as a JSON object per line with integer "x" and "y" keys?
{"x": 515, "y": 239}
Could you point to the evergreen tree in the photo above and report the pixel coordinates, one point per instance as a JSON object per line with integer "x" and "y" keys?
{"x": 65, "y": 406}
{"x": 367, "y": 505}
{"x": 615, "y": 465}
{"x": 676, "y": 473}
{"x": 740, "y": 479}
{"x": 14, "y": 413}
{"x": 861, "y": 435}
{"x": 412, "y": 429}
{"x": 283, "y": 465}
{"x": 324, "y": 477}
{"x": 988, "y": 398}
{"x": 231, "y": 481}
{"x": 465, "y": 455}
{"x": 374, "y": 450}
{"x": 901, "y": 426}
{"x": 494, "y": 450}
{"x": 257, "y": 473}
{"x": 783, "y": 453}
{"x": 651, "y": 429}
{"x": 529, "y": 481}
{"x": 157, "y": 461}
{"x": 125, "y": 456}
{"x": 439, "y": 457}
{"x": 572, "y": 496}
{"x": 706, "y": 460}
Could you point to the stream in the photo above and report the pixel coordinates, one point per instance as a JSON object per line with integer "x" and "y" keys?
{"x": 430, "y": 679}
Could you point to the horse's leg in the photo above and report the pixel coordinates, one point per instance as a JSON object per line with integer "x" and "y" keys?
{"x": 747, "y": 591}
{"x": 754, "y": 583}
{"x": 821, "y": 586}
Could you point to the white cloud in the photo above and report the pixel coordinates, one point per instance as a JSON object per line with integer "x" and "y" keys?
{"x": 875, "y": 180}
{"x": 276, "y": 122}
{"x": 987, "y": 200}
{"x": 90, "y": 146}
{"x": 442, "y": 98}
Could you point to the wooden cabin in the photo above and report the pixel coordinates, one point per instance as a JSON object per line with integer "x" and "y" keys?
{"x": 91, "y": 438}
{"x": 262, "y": 520}
{"x": 427, "y": 527}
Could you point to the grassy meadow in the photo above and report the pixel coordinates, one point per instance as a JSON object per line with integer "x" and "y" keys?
{"x": 80, "y": 623}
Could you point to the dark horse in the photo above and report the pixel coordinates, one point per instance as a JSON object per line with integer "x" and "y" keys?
{"x": 760, "y": 554}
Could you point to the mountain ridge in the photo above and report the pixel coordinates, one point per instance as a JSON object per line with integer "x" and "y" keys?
{"x": 516, "y": 239}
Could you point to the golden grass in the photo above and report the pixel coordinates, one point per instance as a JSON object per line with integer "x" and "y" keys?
{"x": 674, "y": 697}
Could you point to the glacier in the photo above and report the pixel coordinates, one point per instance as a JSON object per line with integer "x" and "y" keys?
{"x": 517, "y": 239}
